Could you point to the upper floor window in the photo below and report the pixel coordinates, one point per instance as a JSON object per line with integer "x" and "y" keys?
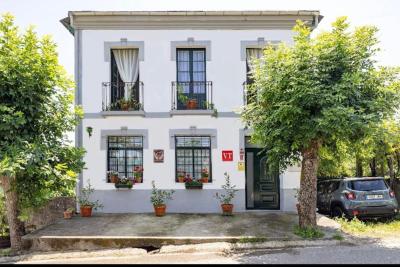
{"x": 251, "y": 54}
{"x": 125, "y": 156}
{"x": 191, "y": 78}
{"x": 122, "y": 92}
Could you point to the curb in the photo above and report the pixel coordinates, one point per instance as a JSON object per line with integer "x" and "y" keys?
{"x": 225, "y": 247}
{"x": 75, "y": 254}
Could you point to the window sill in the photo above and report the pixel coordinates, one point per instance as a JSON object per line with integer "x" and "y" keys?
{"x": 123, "y": 113}
{"x": 191, "y": 112}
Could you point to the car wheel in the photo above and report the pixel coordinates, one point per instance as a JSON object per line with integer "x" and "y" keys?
{"x": 337, "y": 211}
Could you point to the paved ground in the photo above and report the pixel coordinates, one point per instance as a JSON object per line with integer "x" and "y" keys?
{"x": 371, "y": 252}
{"x": 119, "y": 230}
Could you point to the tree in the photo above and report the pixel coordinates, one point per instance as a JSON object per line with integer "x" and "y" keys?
{"x": 37, "y": 162}
{"x": 316, "y": 93}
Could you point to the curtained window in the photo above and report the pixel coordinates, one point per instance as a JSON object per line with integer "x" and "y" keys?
{"x": 124, "y": 74}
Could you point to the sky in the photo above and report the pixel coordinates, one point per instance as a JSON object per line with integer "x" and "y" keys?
{"x": 46, "y": 14}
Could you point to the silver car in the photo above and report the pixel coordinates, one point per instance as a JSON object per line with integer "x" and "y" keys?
{"x": 356, "y": 197}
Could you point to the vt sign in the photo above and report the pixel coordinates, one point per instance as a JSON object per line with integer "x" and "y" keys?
{"x": 227, "y": 155}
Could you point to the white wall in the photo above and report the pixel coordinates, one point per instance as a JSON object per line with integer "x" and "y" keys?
{"x": 227, "y": 72}
{"x": 158, "y": 134}
{"x": 157, "y": 71}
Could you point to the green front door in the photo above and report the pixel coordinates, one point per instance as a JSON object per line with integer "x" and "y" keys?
{"x": 262, "y": 181}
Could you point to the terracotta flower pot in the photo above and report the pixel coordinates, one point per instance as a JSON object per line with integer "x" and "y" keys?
{"x": 191, "y": 104}
{"x": 114, "y": 179}
{"x": 86, "y": 211}
{"x": 160, "y": 210}
{"x": 204, "y": 179}
{"x": 67, "y": 215}
{"x": 125, "y": 106}
{"x": 181, "y": 179}
{"x": 227, "y": 209}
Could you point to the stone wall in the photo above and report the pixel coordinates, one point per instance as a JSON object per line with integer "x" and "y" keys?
{"x": 49, "y": 214}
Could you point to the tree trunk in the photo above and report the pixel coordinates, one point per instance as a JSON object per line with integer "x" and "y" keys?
{"x": 15, "y": 225}
{"x": 308, "y": 186}
{"x": 398, "y": 163}
{"x": 389, "y": 159}
{"x": 372, "y": 166}
{"x": 359, "y": 168}
{"x": 382, "y": 168}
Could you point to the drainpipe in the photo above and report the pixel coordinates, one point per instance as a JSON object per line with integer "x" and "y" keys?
{"x": 316, "y": 21}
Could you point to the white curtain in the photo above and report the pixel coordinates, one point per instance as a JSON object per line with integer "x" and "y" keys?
{"x": 128, "y": 67}
{"x": 251, "y": 54}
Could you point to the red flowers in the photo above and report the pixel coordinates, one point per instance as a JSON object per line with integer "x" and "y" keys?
{"x": 187, "y": 178}
{"x": 138, "y": 169}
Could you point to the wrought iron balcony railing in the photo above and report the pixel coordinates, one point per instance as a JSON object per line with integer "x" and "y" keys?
{"x": 192, "y": 95}
{"x": 247, "y": 96}
{"x": 121, "y": 96}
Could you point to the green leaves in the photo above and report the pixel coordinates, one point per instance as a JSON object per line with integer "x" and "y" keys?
{"x": 325, "y": 88}
{"x": 36, "y": 99}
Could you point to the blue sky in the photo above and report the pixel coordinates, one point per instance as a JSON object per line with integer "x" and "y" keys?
{"x": 45, "y": 14}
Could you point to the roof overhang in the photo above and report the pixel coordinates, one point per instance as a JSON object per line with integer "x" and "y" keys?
{"x": 196, "y": 20}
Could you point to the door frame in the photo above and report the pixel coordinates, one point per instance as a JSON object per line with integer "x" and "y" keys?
{"x": 245, "y": 184}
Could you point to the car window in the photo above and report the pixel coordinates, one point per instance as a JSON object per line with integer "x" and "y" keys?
{"x": 332, "y": 187}
{"x": 368, "y": 185}
{"x": 322, "y": 187}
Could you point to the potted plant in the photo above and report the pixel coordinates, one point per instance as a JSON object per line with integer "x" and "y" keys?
{"x": 181, "y": 176}
{"x": 204, "y": 175}
{"x": 124, "y": 104}
{"x": 159, "y": 198}
{"x": 86, "y": 205}
{"x": 113, "y": 176}
{"x": 191, "y": 104}
{"x": 124, "y": 183}
{"x": 138, "y": 174}
{"x": 226, "y": 198}
{"x": 191, "y": 183}
{"x": 68, "y": 213}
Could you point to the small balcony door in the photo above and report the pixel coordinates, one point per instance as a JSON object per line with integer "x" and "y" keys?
{"x": 191, "y": 77}
{"x": 118, "y": 86}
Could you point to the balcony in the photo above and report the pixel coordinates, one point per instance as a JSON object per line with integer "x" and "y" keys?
{"x": 122, "y": 97}
{"x": 247, "y": 97}
{"x": 192, "y": 97}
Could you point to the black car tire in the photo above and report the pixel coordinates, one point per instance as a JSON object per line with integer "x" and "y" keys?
{"x": 337, "y": 211}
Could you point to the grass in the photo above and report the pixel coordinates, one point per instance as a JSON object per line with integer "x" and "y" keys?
{"x": 308, "y": 232}
{"x": 252, "y": 239}
{"x": 371, "y": 228}
{"x": 5, "y": 252}
{"x": 338, "y": 237}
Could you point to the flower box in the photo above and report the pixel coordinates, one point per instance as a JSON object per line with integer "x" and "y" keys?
{"x": 193, "y": 185}
{"x": 119, "y": 186}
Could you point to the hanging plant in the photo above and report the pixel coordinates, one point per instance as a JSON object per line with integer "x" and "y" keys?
{"x": 89, "y": 130}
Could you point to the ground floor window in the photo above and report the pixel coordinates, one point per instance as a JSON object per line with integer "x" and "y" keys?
{"x": 125, "y": 157}
{"x": 193, "y": 157}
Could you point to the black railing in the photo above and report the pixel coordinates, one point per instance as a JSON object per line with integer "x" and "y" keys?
{"x": 121, "y": 96}
{"x": 249, "y": 95}
{"x": 245, "y": 92}
{"x": 192, "y": 95}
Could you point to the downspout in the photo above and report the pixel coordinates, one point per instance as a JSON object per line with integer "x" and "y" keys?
{"x": 78, "y": 101}
{"x": 316, "y": 18}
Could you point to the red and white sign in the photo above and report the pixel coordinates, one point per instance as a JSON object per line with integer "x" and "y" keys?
{"x": 227, "y": 155}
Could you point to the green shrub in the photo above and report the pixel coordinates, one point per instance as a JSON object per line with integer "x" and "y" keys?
{"x": 308, "y": 232}
{"x": 4, "y": 231}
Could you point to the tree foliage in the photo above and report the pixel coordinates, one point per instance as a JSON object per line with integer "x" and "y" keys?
{"x": 324, "y": 88}
{"x": 36, "y": 112}
{"x": 319, "y": 93}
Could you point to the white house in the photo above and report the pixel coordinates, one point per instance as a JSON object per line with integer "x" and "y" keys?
{"x": 161, "y": 91}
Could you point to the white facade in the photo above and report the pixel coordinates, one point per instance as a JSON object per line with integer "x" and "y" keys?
{"x": 225, "y": 67}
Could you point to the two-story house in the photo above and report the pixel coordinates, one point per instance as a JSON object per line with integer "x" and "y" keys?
{"x": 161, "y": 93}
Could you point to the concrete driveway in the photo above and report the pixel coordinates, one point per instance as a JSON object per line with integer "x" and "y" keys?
{"x": 144, "y": 230}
